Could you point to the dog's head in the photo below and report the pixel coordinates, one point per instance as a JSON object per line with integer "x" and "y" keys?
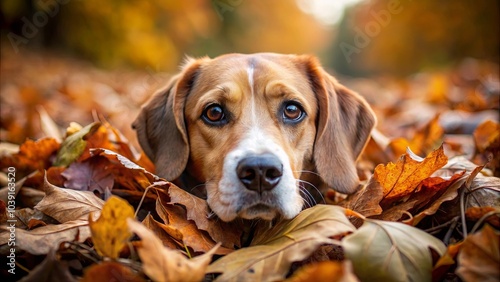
{"x": 248, "y": 127}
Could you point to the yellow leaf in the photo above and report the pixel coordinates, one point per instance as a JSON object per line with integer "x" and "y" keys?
{"x": 485, "y": 134}
{"x": 401, "y": 179}
{"x": 110, "y": 232}
{"x": 164, "y": 264}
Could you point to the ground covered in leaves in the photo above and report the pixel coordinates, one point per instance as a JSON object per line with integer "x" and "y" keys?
{"x": 80, "y": 202}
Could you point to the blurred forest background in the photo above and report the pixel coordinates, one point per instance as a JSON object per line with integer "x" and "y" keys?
{"x": 108, "y": 55}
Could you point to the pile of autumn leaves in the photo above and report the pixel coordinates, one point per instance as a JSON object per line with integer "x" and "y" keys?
{"x": 66, "y": 231}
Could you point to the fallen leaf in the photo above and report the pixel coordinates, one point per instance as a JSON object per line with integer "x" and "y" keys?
{"x": 110, "y": 271}
{"x": 401, "y": 179}
{"x": 163, "y": 264}
{"x": 445, "y": 262}
{"x": 127, "y": 170}
{"x": 67, "y": 205}
{"x": 367, "y": 200}
{"x": 485, "y": 134}
{"x": 476, "y": 213}
{"x": 23, "y": 217}
{"x": 273, "y": 250}
{"x": 432, "y": 193}
{"x": 110, "y": 232}
{"x": 175, "y": 217}
{"x": 228, "y": 234}
{"x": 159, "y": 230}
{"x": 93, "y": 174}
{"x": 41, "y": 240}
{"x": 391, "y": 251}
{"x": 49, "y": 127}
{"x": 74, "y": 145}
{"x": 52, "y": 268}
{"x": 32, "y": 155}
{"x": 423, "y": 141}
{"x": 479, "y": 257}
{"x": 331, "y": 271}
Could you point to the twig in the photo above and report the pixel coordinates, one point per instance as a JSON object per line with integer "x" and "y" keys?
{"x": 462, "y": 210}
{"x": 482, "y": 219}
{"x": 446, "y": 239}
{"x": 142, "y": 198}
{"x": 441, "y": 226}
{"x": 75, "y": 247}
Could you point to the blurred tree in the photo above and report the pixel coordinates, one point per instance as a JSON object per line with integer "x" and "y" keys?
{"x": 156, "y": 34}
{"x": 401, "y": 37}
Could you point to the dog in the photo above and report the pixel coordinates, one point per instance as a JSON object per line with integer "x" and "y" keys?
{"x": 259, "y": 131}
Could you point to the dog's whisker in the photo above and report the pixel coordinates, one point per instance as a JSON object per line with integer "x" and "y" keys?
{"x": 307, "y": 171}
{"x": 306, "y": 195}
{"x": 315, "y": 188}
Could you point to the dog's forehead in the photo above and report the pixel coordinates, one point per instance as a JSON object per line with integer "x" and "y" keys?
{"x": 251, "y": 70}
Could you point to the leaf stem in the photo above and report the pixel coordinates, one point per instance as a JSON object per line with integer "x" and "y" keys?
{"x": 349, "y": 212}
{"x": 441, "y": 226}
{"x": 482, "y": 219}
{"x": 462, "y": 210}
{"x": 142, "y": 198}
{"x": 453, "y": 225}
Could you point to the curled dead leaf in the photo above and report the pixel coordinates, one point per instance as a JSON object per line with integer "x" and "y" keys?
{"x": 402, "y": 178}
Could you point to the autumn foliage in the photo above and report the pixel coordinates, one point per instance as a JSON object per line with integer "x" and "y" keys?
{"x": 89, "y": 206}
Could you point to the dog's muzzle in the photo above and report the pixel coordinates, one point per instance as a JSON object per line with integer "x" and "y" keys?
{"x": 260, "y": 173}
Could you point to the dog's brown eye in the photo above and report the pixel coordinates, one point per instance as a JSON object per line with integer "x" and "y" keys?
{"x": 292, "y": 112}
{"x": 214, "y": 115}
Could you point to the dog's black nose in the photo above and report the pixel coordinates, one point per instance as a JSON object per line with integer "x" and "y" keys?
{"x": 260, "y": 173}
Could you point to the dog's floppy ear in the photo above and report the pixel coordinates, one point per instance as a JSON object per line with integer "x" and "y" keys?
{"x": 160, "y": 126}
{"x": 344, "y": 124}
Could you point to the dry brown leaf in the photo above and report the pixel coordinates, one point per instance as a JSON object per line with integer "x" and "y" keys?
{"x": 67, "y": 205}
{"x": 110, "y": 232}
{"x": 93, "y": 174}
{"x": 492, "y": 213}
{"x": 175, "y": 217}
{"x": 432, "y": 192}
{"x": 401, "y": 179}
{"x": 274, "y": 249}
{"x": 110, "y": 271}
{"x": 127, "y": 170}
{"x": 41, "y": 240}
{"x": 365, "y": 201}
{"x": 159, "y": 230}
{"x": 447, "y": 260}
{"x": 228, "y": 234}
{"x": 479, "y": 257}
{"x": 163, "y": 264}
{"x": 450, "y": 194}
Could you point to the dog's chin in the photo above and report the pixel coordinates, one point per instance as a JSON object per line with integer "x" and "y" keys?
{"x": 261, "y": 211}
